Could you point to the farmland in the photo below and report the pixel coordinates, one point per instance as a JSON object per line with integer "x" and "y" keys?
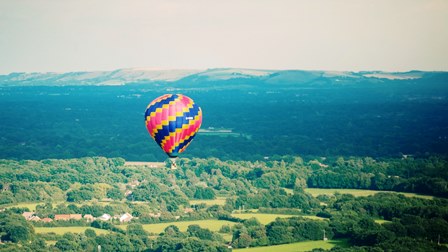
{"x": 220, "y": 201}
{"x": 268, "y": 218}
{"x": 63, "y": 230}
{"x": 298, "y": 246}
{"x": 357, "y": 192}
{"x": 213, "y": 225}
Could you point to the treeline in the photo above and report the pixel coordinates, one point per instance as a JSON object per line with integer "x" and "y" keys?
{"x": 85, "y": 179}
{"x": 425, "y": 176}
{"x": 414, "y": 224}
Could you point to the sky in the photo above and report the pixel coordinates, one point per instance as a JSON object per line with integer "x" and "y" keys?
{"x": 340, "y": 35}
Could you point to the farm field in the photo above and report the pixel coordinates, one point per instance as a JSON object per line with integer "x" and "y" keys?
{"x": 63, "y": 230}
{"x": 213, "y": 225}
{"x": 268, "y": 218}
{"x": 298, "y": 246}
{"x": 30, "y": 205}
{"x": 220, "y": 201}
{"x": 262, "y": 218}
{"x": 288, "y": 191}
{"x": 382, "y": 221}
{"x": 358, "y": 192}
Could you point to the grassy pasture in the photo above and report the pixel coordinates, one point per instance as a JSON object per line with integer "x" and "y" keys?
{"x": 298, "y": 246}
{"x": 382, "y": 221}
{"x": 358, "y": 192}
{"x": 268, "y": 218}
{"x": 63, "y": 230}
{"x": 213, "y": 225}
{"x": 262, "y": 218}
{"x": 221, "y": 201}
{"x": 30, "y": 205}
{"x": 288, "y": 191}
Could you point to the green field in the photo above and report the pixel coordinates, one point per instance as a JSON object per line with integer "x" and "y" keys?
{"x": 30, "y": 205}
{"x": 213, "y": 225}
{"x": 313, "y": 217}
{"x": 298, "y": 246}
{"x": 268, "y": 218}
{"x": 221, "y": 201}
{"x": 358, "y": 192}
{"x": 63, "y": 230}
{"x": 382, "y": 221}
{"x": 288, "y": 191}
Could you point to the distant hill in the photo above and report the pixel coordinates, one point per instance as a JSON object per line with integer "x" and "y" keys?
{"x": 192, "y": 76}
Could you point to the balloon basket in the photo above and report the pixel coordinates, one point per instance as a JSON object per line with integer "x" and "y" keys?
{"x": 173, "y": 163}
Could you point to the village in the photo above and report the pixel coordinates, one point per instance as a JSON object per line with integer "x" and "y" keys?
{"x": 126, "y": 217}
{"x": 123, "y": 218}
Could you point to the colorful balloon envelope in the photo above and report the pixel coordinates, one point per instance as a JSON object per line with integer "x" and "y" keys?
{"x": 172, "y": 121}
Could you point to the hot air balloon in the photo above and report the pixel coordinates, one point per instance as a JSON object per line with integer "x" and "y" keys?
{"x": 172, "y": 120}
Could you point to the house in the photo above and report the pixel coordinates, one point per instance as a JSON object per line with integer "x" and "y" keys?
{"x": 75, "y": 216}
{"x": 126, "y": 217}
{"x": 67, "y": 217}
{"x": 46, "y": 220}
{"x": 64, "y": 217}
{"x": 89, "y": 217}
{"x": 104, "y": 217}
{"x": 28, "y": 215}
{"x": 34, "y": 218}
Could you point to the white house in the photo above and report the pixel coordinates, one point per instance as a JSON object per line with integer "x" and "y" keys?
{"x": 104, "y": 217}
{"x": 126, "y": 217}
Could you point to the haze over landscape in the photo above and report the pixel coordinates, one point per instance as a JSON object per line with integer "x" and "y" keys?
{"x": 349, "y": 35}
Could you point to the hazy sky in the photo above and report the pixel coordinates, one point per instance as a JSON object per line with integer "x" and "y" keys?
{"x": 77, "y": 35}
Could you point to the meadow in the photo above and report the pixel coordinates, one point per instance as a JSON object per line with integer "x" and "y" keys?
{"x": 298, "y": 246}
{"x": 382, "y": 221}
{"x": 220, "y": 201}
{"x": 213, "y": 225}
{"x": 268, "y": 218}
{"x": 63, "y": 230}
{"x": 358, "y": 192}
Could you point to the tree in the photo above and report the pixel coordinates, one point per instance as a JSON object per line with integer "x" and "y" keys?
{"x": 39, "y": 245}
{"x": 79, "y": 195}
{"x": 15, "y": 228}
{"x": 243, "y": 241}
{"x": 115, "y": 194}
{"x": 204, "y": 193}
{"x": 136, "y": 229}
{"x": 67, "y": 245}
{"x": 201, "y": 233}
{"x": 172, "y": 230}
{"x": 115, "y": 242}
{"x": 90, "y": 233}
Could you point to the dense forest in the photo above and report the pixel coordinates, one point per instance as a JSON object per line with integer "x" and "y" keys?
{"x": 321, "y": 117}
